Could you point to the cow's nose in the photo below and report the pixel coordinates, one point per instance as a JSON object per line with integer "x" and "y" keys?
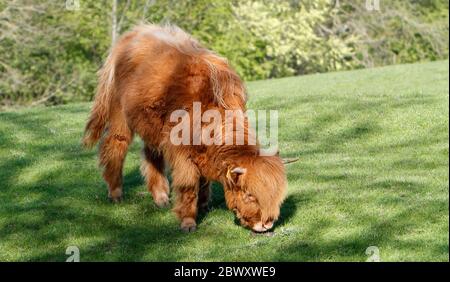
{"x": 268, "y": 225}
{"x": 258, "y": 227}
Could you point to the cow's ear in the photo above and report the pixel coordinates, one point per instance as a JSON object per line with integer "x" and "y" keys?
{"x": 233, "y": 174}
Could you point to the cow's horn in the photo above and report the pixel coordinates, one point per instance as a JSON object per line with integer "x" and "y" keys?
{"x": 289, "y": 160}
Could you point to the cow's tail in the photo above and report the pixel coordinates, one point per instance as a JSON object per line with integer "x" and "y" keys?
{"x": 99, "y": 116}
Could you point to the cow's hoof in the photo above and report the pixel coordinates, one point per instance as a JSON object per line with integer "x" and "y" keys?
{"x": 116, "y": 200}
{"x": 161, "y": 200}
{"x": 188, "y": 225}
{"x": 115, "y": 196}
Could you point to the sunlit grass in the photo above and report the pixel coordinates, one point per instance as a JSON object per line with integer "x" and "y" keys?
{"x": 373, "y": 171}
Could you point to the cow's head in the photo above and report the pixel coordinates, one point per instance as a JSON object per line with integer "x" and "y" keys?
{"x": 255, "y": 190}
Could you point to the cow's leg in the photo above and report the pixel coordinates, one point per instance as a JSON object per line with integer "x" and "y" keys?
{"x": 204, "y": 194}
{"x": 185, "y": 183}
{"x": 152, "y": 169}
{"x": 186, "y": 206}
{"x": 112, "y": 155}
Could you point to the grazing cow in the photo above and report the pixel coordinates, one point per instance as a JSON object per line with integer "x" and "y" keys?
{"x": 151, "y": 72}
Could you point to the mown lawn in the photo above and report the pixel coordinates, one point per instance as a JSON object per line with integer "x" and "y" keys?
{"x": 373, "y": 171}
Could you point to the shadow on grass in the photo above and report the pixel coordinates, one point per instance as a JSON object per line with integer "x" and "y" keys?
{"x": 384, "y": 233}
{"x": 59, "y": 213}
{"x": 353, "y": 109}
{"x": 50, "y": 208}
{"x": 45, "y": 208}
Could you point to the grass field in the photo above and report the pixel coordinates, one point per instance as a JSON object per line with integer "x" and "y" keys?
{"x": 373, "y": 171}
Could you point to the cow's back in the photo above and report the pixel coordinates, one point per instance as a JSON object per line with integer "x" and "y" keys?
{"x": 162, "y": 69}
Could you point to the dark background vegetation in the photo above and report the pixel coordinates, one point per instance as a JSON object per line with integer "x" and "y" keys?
{"x": 49, "y": 52}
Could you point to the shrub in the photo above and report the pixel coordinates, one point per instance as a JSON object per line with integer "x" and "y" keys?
{"x": 50, "y": 55}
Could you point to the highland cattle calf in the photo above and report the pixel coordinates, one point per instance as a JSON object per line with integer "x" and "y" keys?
{"x": 152, "y": 72}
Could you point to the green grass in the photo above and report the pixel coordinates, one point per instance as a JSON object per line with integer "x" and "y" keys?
{"x": 373, "y": 171}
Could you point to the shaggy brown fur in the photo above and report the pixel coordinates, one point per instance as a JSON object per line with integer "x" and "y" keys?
{"x": 151, "y": 72}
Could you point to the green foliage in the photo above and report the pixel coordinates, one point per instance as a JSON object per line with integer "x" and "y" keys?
{"x": 49, "y": 54}
{"x": 294, "y": 37}
{"x": 401, "y": 32}
{"x": 215, "y": 25}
